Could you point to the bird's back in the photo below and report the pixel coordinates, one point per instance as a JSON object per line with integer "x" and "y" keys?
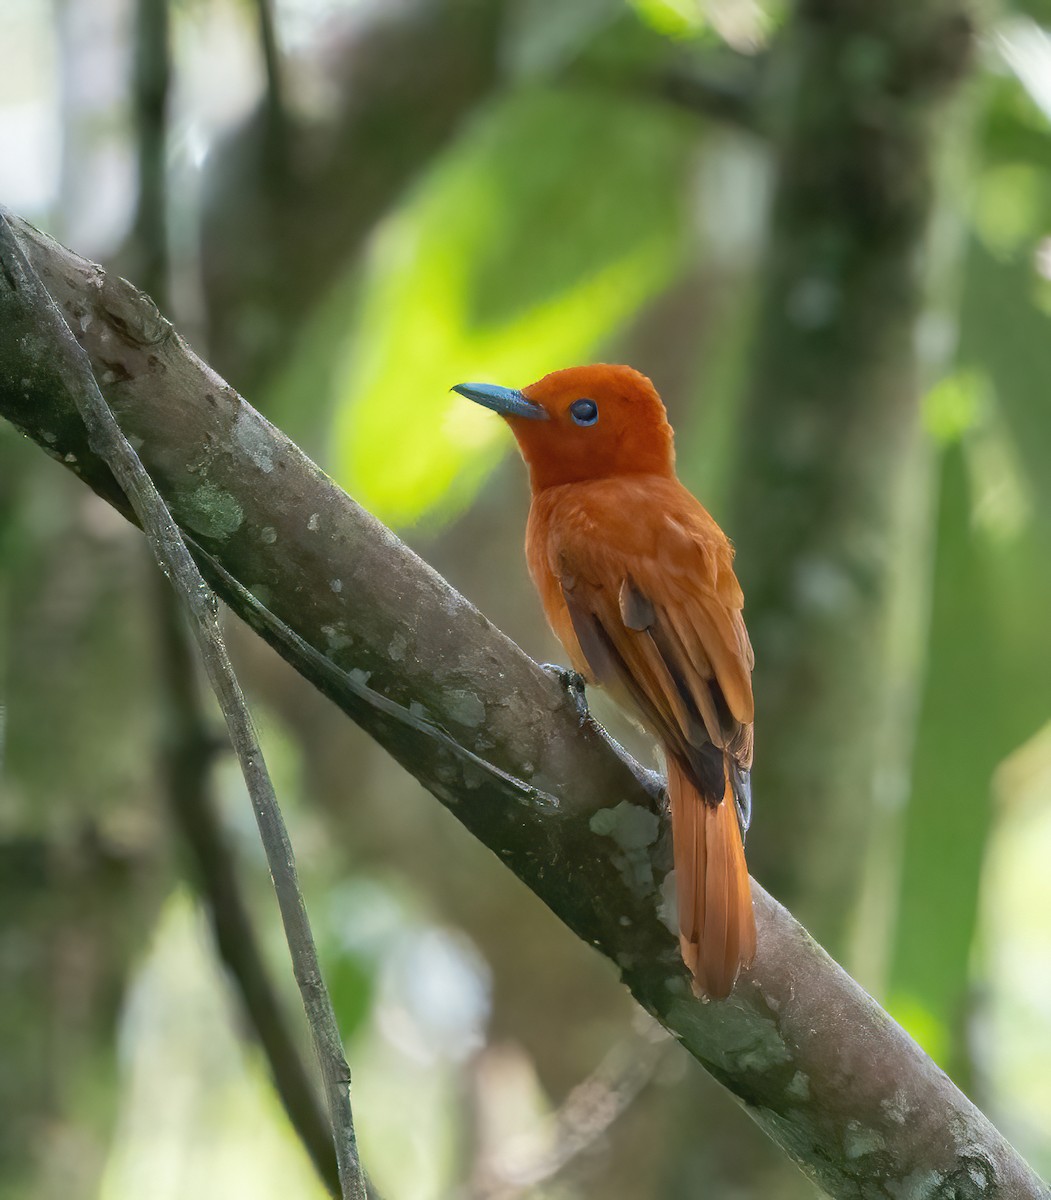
{"x": 637, "y": 582}
{"x": 642, "y": 555}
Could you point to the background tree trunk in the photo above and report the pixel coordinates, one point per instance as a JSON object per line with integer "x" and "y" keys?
{"x": 833, "y": 493}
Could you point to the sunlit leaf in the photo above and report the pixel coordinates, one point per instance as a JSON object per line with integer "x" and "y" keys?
{"x": 1008, "y": 336}
{"x": 1015, "y": 130}
{"x": 987, "y": 689}
{"x": 955, "y": 405}
{"x": 673, "y": 18}
{"x": 1009, "y": 206}
{"x": 544, "y": 230}
{"x": 986, "y": 692}
{"x": 925, "y": 1026}
{"x": 1026, "y": 49}
{"x": 961, "y": 738}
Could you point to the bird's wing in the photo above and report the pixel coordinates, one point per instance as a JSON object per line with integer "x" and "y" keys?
{"x": 656, "y": 610}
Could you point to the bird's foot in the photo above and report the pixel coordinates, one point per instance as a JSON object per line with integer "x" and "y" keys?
{"x": 574, "y": 684}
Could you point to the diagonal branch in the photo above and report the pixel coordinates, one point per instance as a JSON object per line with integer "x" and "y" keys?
{"x": 525, "y": 1165}
{"x": 818, "y": 1065}
{"x": 74, "y": 373}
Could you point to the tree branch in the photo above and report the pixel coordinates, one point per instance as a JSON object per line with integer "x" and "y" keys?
{"x": 732, "y": 99}
{"x": 188, "y": 753}
{"x": 74, "y": 373}
{"x": 723, "y": 86}
{"x": 817, "y": 1064}
{"x": 522, "y": 1164}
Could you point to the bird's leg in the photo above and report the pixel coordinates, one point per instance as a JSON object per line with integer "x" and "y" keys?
{"x": 652, "y": 782}
{"x": 574, "y": 684}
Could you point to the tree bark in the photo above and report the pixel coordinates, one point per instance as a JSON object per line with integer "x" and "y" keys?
{"x": 817, "y": 1064}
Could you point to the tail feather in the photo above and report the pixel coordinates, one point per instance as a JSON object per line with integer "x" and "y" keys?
{"x": 716, "y": 918}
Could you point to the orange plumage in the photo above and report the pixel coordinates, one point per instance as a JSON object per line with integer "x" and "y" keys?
{"x": 637, "y": 582}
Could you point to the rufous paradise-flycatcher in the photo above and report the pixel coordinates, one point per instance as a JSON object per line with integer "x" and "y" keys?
{"x": 637, "y": 582}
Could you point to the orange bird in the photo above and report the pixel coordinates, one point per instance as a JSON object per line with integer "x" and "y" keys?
{"x": 637, "y": 582}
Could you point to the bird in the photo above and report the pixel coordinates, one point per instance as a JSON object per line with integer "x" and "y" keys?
{"x": 637, "y": 582}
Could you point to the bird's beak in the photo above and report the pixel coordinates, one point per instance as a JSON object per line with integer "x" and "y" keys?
{"x": 508, "y": 402}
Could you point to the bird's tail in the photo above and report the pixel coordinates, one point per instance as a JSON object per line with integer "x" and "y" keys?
{"x": 716, "y": 920}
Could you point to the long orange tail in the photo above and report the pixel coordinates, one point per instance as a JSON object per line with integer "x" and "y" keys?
{"x": 716, "y": 919}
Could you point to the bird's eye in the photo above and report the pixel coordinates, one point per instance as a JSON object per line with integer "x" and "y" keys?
{"x": 584, "y": 412}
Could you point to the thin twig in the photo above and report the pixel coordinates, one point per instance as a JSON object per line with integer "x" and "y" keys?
{"x": 335, "y": 681}
{"x": 731, "y": 97}
{"x": 188, "y": 753}
{"x": 188, "y": 744}
{"x": 108, "y": 441}
{"x": 728, "y": 89}
{"x": 523, "y": 1164}
{"x": 276, "y": 110}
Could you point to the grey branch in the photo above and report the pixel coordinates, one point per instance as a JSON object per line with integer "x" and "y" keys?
{"x": 189, "y": 748}
{"x": 731, "y": 99}
{"x": 521, "y": 1165}
{"x": 28, "y": 302}
{"x": 814, "y": 1060}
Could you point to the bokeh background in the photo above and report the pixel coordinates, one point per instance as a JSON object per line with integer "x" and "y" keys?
{"x": 346, "y": 206}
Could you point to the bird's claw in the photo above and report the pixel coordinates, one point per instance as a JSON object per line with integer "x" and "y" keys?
{"x": 574, "y": 684}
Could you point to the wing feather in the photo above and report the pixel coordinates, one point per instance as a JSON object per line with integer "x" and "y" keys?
{"x": 656, "y": 611}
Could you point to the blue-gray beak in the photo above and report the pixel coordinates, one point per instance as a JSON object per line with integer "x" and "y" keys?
{"x": 507, "y": 401}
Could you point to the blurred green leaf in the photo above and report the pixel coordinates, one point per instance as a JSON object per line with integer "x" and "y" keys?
{"x": 550, "y": 224}
{"x": 955, "y": 405}
{"x": 351, "y": 985}
{"x": 987, "y": 689}
{"x": 960, "y": 740}
{"x": 987, "y": 692}
{"x": 1010, "y": 206}
{"x": 1015, "y": 130}
{"x": 356, "y": 921}
{"x": 673, "y": 18}
{"x": 743, "y": 24}
{"x": 1039, "y": 10}
{"x": 1007, "y": 335}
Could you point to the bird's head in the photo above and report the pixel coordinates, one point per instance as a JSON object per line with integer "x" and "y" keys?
{"x": 584, "y": 423}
